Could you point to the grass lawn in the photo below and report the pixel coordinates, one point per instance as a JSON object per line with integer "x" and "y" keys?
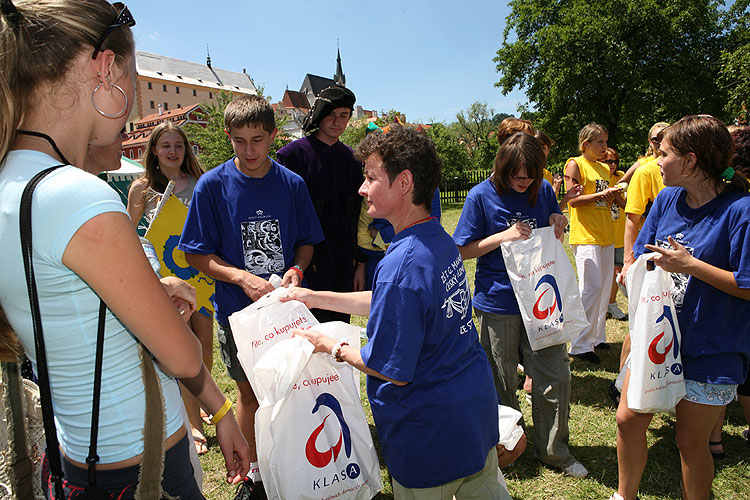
{"x": 592, "y": 436}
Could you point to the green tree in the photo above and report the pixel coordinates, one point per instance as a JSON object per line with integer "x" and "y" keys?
{"x": 353, "y": 135}
{"x": 214, "y": 145}
{"x": 735, "y": 71}
{"x": 474, "y": 128}
{"x": 623, "y": 63}
{"x": 453, "y": 154}
{"x": 476, "y": 123}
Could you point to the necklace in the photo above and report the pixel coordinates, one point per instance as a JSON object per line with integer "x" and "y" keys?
{"x": 48, "y": 139}
{"x": 419, "y": 222}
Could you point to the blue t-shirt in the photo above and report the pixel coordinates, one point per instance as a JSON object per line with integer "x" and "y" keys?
{"x": 485, "y": 213}
{"x": 253, "y": 224}
{"x": 63, "y": 202}
{"x": 441, "y": 425}
{"x": 714, "y": 325}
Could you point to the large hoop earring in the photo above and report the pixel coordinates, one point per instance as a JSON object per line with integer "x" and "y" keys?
{"x": 110, "y": 115}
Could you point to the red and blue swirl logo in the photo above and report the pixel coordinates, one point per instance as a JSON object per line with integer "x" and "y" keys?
{"x": 547, "y": 298}
{"x": 654, "y": 354}
{"x": 319, "y": 458}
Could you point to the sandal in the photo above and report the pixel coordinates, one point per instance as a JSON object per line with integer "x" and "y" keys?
{"x": 718, "y": 455}
{"x": 206, "y": 418}
{"x": 200, "y": 442}
{"x": 614, "y": 394}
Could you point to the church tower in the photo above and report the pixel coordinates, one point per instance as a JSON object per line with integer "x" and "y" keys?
{"x": 339, "y": 77}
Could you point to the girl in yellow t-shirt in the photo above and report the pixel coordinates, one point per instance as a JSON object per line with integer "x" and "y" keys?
{"x": 592, "y": 236}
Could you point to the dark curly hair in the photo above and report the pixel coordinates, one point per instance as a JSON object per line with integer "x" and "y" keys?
{"x": 405, "y": 148}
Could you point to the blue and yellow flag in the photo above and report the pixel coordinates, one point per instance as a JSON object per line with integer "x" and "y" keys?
{"x": 164, "y": 233}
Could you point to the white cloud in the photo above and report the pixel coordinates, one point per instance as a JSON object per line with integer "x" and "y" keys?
{"x": 154, "y": 35}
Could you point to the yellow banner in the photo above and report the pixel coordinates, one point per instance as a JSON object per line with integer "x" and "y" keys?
{"x": 164, "y": 233}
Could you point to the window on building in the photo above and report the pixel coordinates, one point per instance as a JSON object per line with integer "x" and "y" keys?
{"x": 177, "y": 90}
{"x": 179, "y": 106}
{"x": 149, "y": 86}
{"x": 140, "y": 152}
{"x": 153, "y": 106}
{"x": 166, "y": 106}
{"x": 195, "y": 149}
{"x": 131, "y": 154}
{"x": 210, "y": 95}
{"x": 194, "y": 93}
{"x": 164, "y": 88}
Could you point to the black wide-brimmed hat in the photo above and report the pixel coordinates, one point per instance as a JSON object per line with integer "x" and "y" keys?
{"x": 328, "y": 100}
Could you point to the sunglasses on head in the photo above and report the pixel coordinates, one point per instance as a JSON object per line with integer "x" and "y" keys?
{"x": 611, "y": 162}
{"x": 124, "y": 18}
{"x": 655, "y": 139}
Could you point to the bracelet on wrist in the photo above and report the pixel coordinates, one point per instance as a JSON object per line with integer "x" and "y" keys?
{"x": 296, "y": 268}
{"x": 336, "y": 351}
{"x": 221, "y": 412}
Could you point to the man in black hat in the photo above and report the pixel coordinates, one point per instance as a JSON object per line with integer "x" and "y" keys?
{"x": 333, "y": 178}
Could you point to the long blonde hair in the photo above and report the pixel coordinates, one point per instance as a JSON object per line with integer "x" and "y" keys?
{"x": 38, "y": 41}
{"x": 154, "y": 176}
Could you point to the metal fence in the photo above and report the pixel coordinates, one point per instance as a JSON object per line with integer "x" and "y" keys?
{"x": 455, "y": 189}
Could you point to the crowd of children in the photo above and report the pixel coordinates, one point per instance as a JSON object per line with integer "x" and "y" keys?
{"x": 428, "y": 367}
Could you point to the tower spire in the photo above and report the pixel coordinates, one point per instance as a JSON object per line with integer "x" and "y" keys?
{"x": 208, "y": 57}
{"x": 339, "y": 77}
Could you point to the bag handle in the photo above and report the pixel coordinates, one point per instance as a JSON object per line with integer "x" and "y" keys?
{"x": 41, "y": 355}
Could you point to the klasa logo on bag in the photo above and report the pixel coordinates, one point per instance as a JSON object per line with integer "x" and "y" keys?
{"x": 659, "y": 357}
{"x": 321, "y": 459}
{"x": 545, "y": 313}
{"x": 548, "y": 305}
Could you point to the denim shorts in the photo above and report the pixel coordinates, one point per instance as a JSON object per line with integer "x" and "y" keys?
{"x": 229, "y": 353}
{"x": 710, "y": 394}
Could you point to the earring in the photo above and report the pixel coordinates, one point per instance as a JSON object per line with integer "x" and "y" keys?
{"x": 110, "y": 115}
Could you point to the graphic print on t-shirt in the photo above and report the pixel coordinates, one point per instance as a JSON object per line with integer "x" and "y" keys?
{"x": 601, "y": 185}
{"x": 531, "y": 221}
{"x": 456, "y": 285}
{"x": 679, "y": 280}
{"x": 615, "y": 211}
{"x": 261, "y": 241}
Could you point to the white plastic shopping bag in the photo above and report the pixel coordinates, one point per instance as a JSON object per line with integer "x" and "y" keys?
{"x": 263, "y": 323}
{"x": 312, "y": 437}
{"x": 545, "y": 288}
{"x": 656, "y": 379}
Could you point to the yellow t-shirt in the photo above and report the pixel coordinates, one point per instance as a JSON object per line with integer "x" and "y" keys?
{"x": 618, "y": 216}
{"x": 645, "y": 184}
{"x": 548, "y": 176}
{"x": 592, "y": 224}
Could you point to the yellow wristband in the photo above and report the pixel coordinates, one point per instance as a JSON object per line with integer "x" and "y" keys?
{"x": 222, "y": 411}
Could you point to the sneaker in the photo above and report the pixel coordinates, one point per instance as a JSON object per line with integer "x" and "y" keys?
{"x": 614, "y": 394}
{"x": 575, "y": 470}
{"x": 602, "y": 346}
{"x": 589, "y": 357}
{"x": 746, "y": 435}
{"x": 247, "y": 490}
{"x": 614, "y": 311}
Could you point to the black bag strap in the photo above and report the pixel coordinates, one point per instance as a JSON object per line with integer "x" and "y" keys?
{"x": 53, "y": 445}
{"x": 93, "y": 458}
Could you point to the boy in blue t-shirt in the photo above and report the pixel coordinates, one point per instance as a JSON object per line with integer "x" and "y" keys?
{"x": 249, "y": 218}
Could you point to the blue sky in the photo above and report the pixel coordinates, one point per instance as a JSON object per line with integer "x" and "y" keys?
{"x": 428, "y": 59}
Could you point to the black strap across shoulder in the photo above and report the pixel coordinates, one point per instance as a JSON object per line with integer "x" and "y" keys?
{"x": 53, "y": 445}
